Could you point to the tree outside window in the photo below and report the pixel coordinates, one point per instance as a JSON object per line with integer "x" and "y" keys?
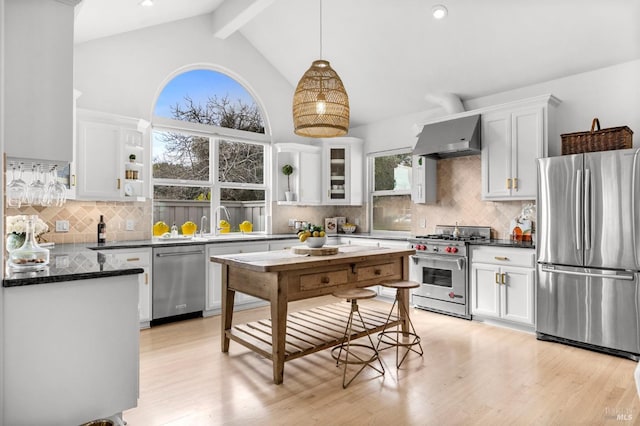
{"x": 391, "y": 194}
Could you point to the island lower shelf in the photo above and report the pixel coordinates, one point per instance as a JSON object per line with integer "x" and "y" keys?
{"x": 311, "y": 330}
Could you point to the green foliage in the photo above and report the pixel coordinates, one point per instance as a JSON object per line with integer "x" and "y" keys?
{"x": 384, "y": 167}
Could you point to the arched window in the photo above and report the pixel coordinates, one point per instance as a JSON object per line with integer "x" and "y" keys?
{"x": 208, "y": 150}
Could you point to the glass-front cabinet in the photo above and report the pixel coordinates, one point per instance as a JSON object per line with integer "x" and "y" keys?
{"x": 343, "y": 169}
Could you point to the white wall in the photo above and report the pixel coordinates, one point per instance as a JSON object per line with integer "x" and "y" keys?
{"x": 123, "y": 74}
{"x": 612, "y": 94}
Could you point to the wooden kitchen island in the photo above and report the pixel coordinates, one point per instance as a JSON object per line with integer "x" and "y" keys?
{"x": 282, "y": 277}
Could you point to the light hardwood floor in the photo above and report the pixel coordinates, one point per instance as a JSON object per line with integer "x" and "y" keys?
{"x": 471, "y": 373}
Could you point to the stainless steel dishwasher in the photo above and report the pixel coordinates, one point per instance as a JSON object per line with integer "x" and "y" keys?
{"x": 178, "y": 280}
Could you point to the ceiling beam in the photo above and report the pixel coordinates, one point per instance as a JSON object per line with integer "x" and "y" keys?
{"x": 231, "y": 15}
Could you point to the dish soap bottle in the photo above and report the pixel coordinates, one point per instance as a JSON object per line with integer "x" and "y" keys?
{"x": 174, "y": 231}
{"x": 102, "y": 231}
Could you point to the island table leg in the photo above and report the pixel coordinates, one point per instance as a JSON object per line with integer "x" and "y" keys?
{"x": 227, "y": 308}
{"x": 278, "y": 329}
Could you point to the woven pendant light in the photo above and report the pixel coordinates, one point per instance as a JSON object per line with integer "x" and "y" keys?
{"x": 320, "y": 102}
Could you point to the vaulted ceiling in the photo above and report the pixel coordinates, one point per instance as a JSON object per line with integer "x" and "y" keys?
{"x": 392, "y": 54}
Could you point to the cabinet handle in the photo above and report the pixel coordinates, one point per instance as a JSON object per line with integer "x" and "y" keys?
{"x": 133, "y": 259}
{"x": 503, "y": 280}
{"x": 508, "y": 183}
{"x": 497, "y": 278}
{"x": 325, "y": 280}
{"x": 146, "y": 278}
{"x": 73, "y": 180}
{"x": 500, "y": 257}
{"x": 377, "y": 272}
{"x": 515, "y": 183}
{"x": 118, "y": 183}
{"x": 419, "y": 191}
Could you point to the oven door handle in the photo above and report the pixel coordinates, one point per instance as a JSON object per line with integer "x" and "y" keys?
{"x": 459, "y": 261}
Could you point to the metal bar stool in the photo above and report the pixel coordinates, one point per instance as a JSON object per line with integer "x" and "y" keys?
{"x": 397, "y": 337}
{"x": 351, "y": 356}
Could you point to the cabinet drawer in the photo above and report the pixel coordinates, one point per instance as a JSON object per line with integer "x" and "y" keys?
{"x": 385, "y": 270}
{"x": 323, "y": 279}
{"x": 504, "y": 256}
{"x": 138, "y": 259}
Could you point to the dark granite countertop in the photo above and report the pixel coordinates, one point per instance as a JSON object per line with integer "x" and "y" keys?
{"x": 505, "y": 243}
{"x": 69, "y": 262}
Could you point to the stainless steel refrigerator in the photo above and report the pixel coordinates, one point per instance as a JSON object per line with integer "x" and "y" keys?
{"x": 588, "y": 246}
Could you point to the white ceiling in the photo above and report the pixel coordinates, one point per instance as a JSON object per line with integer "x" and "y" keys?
{"x": 391, "y": 53}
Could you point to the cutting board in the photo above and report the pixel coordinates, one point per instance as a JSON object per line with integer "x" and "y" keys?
{"x": 321, "y": 251}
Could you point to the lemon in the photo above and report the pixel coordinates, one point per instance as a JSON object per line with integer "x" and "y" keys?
{"x": 189, "y": 228}
{"x": 322, "y": 234}
{"x": 303, "y": 237}
{"x": 316, "y": 234}
{"x": 160, "y": 228}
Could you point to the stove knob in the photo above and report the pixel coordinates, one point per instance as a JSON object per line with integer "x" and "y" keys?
{"x": 452, "y": 295}
{"x": 448, "y": 249}
{"x": 454, "y": 249}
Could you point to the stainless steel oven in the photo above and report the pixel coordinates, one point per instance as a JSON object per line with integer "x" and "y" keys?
{"x": 441, "y": 267}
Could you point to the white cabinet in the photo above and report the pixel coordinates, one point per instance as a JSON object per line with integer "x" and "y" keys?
{"x": 213, "y": 302}
{"x": 342, "y": 177}
{"x": 306, "y": 187}
{"x": 140, "y": 257}
{"x": 513, "y": 136}
{"x": 503, "y": 284}
{"x": 105, "y": 144}
{"x": 71, "y": 351}
{"x": 424, "y": 188}
{"x": 333, "y": 172}
{"x": 38, "y": 79}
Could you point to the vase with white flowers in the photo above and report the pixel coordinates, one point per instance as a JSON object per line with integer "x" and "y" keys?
{"x": 16, "y": 228}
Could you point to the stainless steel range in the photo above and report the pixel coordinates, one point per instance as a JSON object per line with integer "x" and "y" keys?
{"x": 441, "y": 266}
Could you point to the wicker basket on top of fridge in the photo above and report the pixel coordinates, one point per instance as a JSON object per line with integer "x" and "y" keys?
{"x": 597, "y": 139}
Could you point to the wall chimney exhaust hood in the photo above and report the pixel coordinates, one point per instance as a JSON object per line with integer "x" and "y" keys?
{"x": 452, "y": 138}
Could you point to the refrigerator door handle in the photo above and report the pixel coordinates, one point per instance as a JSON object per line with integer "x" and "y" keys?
{"x": 630, "y": 277}
{"x": 587, "y": 209}
{"x": 577, "y": 221}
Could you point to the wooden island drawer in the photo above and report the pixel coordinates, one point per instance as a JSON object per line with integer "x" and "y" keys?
{"x": 323, "y": 279}
{"x": 380, "y": 271}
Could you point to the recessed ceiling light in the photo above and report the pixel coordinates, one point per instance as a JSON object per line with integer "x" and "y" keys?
{"x": 439, "y": 11}
{"x": 146, "y": 3}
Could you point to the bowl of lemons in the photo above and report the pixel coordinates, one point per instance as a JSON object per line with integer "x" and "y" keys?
{"x": 225, "y": 227}
{"x": 313, "y": 236}
{"x": 160, "y": 228}
{"x": 348, "y": 228}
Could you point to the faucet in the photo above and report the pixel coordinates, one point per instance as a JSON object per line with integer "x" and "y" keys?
{"x": 203, "y": 219}
{"x": 216, "y": 216}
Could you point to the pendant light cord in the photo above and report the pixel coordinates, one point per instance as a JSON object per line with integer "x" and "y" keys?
{"x": 320, "y": 29}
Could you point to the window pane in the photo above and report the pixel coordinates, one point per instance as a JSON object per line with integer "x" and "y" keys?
{"x": 392, "y": 213}
{"x": 244, "y": 204}
{"x": 186, "y": 193}
{"x": 180, "y": 156}
{"x": 178, "y": 204}
{"x": 240, "y": 162}
{"x": 392, "y": 172}
{"x": 209, "y": 97}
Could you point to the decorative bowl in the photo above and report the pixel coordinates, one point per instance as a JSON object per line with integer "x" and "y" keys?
{"x": 348, "y": 229}
{"x": 315, "y": 242}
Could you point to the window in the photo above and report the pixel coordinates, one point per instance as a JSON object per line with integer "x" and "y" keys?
{"x": 391, "y": 192}
{"x": 208, "y": 150}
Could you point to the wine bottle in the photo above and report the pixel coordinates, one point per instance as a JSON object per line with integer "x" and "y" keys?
{"x": 102, "y": 230}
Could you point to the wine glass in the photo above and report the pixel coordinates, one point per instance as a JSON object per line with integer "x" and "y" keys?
{"x": 37, "y": 191}
{"x": 56, "y": 189}
{"x": 17, "y": 188}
